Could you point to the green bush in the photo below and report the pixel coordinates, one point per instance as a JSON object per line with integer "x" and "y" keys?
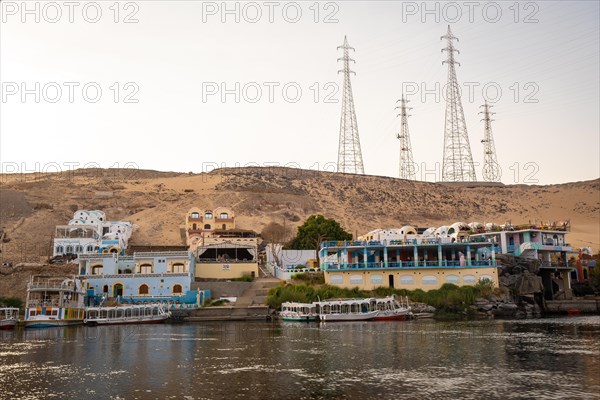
{"x": 11, "y": 302}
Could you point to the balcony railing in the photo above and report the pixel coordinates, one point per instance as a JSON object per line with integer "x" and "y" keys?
{"x": 194, "y": 219}
{"x": 226, "y": 220}
{"x": 406, "y": 264}
{"x": 52, "y": 303}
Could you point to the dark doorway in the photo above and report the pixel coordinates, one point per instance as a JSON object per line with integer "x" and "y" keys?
{"x": 391, "y": 280}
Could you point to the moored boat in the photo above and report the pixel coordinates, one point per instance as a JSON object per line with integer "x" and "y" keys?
{"x": 301, "y": 312}
{"x": 391, "y": 310}
{"x": 126, "y": 314}
{"x": 54, "y": 301}
{"x": 346, "y": 310}
{"x": 9, "y": 317}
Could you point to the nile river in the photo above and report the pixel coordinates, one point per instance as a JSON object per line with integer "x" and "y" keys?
{"x": 527, "y": 359}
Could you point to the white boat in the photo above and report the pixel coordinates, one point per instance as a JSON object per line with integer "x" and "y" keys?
{"x": 301, "y": 312}
{"x": 391, "y": 310}
{"x": 9, "y": 317}
{"x": 54, "y": 301}
{"x": 126, "y": 314}
{"x": 346, "y": 310}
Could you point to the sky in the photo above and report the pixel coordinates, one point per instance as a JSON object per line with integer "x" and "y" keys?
{"x": 190, "y": 85}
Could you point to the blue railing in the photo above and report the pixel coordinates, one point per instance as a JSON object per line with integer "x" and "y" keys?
{"x": 406, "y": 264}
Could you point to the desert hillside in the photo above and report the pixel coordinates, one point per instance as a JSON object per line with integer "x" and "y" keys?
{"x": 31, "y": 205}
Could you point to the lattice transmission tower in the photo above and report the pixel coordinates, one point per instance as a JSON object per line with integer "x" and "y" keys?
{"x": 458, "y": 161}
{"x": 349, "y": 153}
{"x": 491, "y": 168}
{"x": 407, "y": 165}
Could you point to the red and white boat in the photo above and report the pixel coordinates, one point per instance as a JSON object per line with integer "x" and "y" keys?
{"x": 9, "y": 317}
{"x": 391, "y": 309}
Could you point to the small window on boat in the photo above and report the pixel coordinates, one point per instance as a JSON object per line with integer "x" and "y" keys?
{"x": 177, "y": 289}
{"x": 429, "y": 280}
{"x": 407, "y": 279}
{"x": 377, "y": 279}
{"x": 469, "y": 279}
{"x": 146, "y": 269}
{"x": 336, "y": 279}
{"x": 32, "y": 313}
{"x": 178, "y": 267}
{"x": 452, "y": 279}
{"x": 143, "y": 289}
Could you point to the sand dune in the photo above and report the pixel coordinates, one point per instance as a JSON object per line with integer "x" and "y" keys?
{"x": 157, "y": 201}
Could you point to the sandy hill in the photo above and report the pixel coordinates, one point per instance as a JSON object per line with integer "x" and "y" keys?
{"x": 31, "y": 205}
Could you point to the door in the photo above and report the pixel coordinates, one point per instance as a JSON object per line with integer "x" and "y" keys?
{"x": 118, "y": 290}
{"x": 391, "y": 280}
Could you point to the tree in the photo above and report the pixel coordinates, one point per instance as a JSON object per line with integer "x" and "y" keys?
{"x": 275, "y": 233}
{"x": 316, "y": 229}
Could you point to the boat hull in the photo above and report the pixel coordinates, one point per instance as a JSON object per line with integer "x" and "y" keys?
{"x": 52, "y": 323}
{"x": 9, "y": 323}
{"x": 348, "y": 317}
{"x": 157, "y": 320}
{"x": 305, "y": 318}
{"x": 391, "y": 317}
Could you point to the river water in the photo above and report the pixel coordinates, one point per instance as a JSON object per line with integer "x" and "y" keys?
{"x": 526, "y": 359}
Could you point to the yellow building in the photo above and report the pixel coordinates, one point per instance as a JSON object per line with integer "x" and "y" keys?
{"x": 419, "y": 263}
{"x": 221, "y": 250}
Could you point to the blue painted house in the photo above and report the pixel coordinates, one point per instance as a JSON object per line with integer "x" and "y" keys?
{"x": 143, "y": 277}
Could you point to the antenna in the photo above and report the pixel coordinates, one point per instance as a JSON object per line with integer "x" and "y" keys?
{"x": 349, "y": 153}
{"x": 407, "y": 165}
{"x": 491, "y": 168}
{"x": 458, "y": 162}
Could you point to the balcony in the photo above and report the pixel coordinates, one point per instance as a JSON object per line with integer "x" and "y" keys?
{"x": 194, "y": 219}
{"x": 406, "y": 265}
{"x": 224, "y": 220}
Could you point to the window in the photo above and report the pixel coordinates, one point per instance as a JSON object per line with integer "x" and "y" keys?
{"x": 90, "y": 248}
{"x": 60, "y": 249}
{"x": 356, "y": 279}
{"x": 407, "y": 280}
{"x": 78, "y": 249}
{"x": 178, "y": 268}
{"x": 224, "y": 216}
{"x": 177, "y": 289}
{"x": 146, "y": 269}
{"x": 194, "y": 226}
{"x": 377, "y": 279}
{"x": 144, "y": 289}
{"x": 206, "y": 226}
{"x": 208, "y": 215}
{"x": 195, "y": 215}
{"x": 69, "y": 249}
{"x": 336, "y": 279}
{"x": 469, "y": 279}
{"x": 429, "y": 280}
{"x": 224, "y": 227}
{"x": 452, "y": 279}
{"x": 105, "y": 289}
{"x": 97, "y": 270}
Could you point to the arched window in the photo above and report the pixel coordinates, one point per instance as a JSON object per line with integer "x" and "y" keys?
{"x": 90, "y": 248}
{"x": 206, "y": 226}
{"x": 78, "y": 249}
{"x": 178, "y": 268}
{"x": 144, "y": 289}
{"x": 69, "y": 249}
{"x": 177, "y": 289}
{"x": 224, "y": 226}
{"x": 60, "y": 249}
{"x": 105, "y": 289}
{"x": 208, "y": 215}
{"x": 194, "y": 226}
{"x": 146, "y": 269}
{"x": 224, "y": 216}
{"x": 195, "y": 215}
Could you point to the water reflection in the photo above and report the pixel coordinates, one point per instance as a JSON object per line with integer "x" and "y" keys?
{"x": 542, "y": 359}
